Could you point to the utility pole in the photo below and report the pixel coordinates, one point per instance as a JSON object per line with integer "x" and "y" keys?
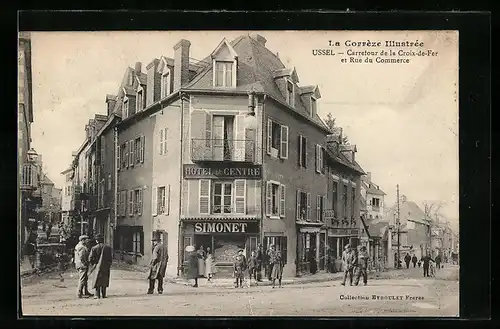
{"x": 398, "y": 224}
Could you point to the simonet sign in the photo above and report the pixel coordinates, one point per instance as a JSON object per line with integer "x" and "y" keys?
{"x": 192, "y": 171}
{"x": 220, "y": 227}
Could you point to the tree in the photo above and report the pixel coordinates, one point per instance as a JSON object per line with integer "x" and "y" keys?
{"x": 432, "y": 210}
{"x": 330, "y": 123}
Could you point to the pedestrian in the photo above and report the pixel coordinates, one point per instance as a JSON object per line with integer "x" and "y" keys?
{"x": 348, "y": 265}
{"x": 277, "y": 266}
{"x": 407, "y": 260}
{"x": 158, "y": 265}
{"x": 269, "y": 266}
{"x": 362, "y": 266}
{"x": 419, "y": 263}
{"x": 414, "y": 260}
{"x": 209, "y": 267}
{"x": 313, "y": 264}
{"x": 201, "y": 262}
{"x": 31, "y": 249}
{"x": 240, "y": 265}
{"x": 192, "y": 265}
{"x": 252, "y": 267}
{"x": 425, "y": 261}
{"x": 82, "y": 267}
{"x": 438, "y": 261}
{"x": 259, "y": 262}
{"x": 100, "y": 260}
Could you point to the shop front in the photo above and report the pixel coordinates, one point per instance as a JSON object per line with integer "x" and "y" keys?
{"x": 337, "y": 239}
{"x": 311, "y": 248}
{"x": 224, "y": 237}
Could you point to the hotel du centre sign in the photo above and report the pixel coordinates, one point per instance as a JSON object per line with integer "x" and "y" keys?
{"x": 219, "y": 171}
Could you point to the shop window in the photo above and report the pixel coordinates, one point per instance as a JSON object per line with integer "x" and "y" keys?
{"x": 227, "y": 246}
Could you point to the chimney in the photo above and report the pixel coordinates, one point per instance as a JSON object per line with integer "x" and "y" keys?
{"x": 153, "y": 87}
{"x": 138, "y": 67}
{"x": 369, "y": 176}
{"x": 110, "y": 102}
{"x": 181, "y": 63}
{"x": 260, "y": 39}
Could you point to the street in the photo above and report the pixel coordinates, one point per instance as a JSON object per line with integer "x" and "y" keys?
{"x": 407, "y": 294}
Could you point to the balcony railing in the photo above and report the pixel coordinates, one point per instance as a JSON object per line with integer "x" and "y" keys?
{"x": 223, "y": 150}
{"x": 29, "y": 177}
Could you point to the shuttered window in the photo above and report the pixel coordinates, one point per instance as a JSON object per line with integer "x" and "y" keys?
{"x": 240, "y": 196}
{"x": 143, "y": 148}
{"x": 154, "y": 202}
{"x": 302, "y": 151}
{"x": 284, "y": 142}
{"x": 320, "y": 167}
{"x": 282, "y": 201}
{"x": 204, "y": 196}
{"x": 130, "y": 203}
{"x": 131, "y": 153}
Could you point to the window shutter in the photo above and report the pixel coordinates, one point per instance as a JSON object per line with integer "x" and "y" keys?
{"x": 298, "y": 205}
{"x": 204, "y": 196}
{"x": 300, "y": 150}
{"x": 304, "y": 146}
{"x": 161, "y": 142}
{"x": 118, "y": 203}
{"x": 284, "y": 142}
{"x": 323, "y": 202}
{"x": 143, "y": 145}
{"x": 318, "y": 207}
{"x": 118, "y": 153}
{"x": 139, "y": 202}
{"x": 318, "y": 158}
{"x": 131, "y": 153}
{"x": 166, "y": 202}
{"x": 208, "y": 130}
{"x": 124, "y": 203}
{"x": 141, "y": 242}
{"x": 268, "y": 199}
{"x": 154, "y": 201}
{"x": 126, "y": 155}
{"x": 131, "y": 203}
{"x": 240, "y": 196}
{"x": 165, "y": 138}
{"x": 308, "y": 206}
{"x": 282, "y": 201}
{"x": 284, "y": 249}
{"x": 239, "y": 143}
{"x": 269, "y": 135}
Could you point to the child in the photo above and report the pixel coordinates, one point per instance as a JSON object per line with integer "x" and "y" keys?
{"x": 252, "y": 268}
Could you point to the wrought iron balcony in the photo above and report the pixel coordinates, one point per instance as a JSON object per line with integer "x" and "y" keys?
{"x": 29, "y": 177}
{"x": 223, "y": 150}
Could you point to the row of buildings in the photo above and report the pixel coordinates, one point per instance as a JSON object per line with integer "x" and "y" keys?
{"x": 227, "y": 153}
{"x": 39, "y": 200}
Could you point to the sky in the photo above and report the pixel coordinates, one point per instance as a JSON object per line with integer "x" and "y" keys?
{"x": 403, "y": 118}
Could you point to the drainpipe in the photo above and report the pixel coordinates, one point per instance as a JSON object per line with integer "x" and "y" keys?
{"x": 180, "y": 258}
{"x": 115, "y": 189}
{"x": 262, "y": 182}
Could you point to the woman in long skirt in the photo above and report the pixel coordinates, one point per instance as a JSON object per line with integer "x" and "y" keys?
{"x": 201, "y": 262}
{"x": 209, "y": 270}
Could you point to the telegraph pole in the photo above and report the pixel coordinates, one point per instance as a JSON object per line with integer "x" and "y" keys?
{"x": 397, "y": 223}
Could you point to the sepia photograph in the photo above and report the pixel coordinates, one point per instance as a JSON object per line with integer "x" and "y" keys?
{"x": 239, "y": 173}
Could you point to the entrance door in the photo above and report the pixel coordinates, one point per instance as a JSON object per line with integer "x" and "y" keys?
{"x": 322, "y": 237}
{"x": 164, "y": 242}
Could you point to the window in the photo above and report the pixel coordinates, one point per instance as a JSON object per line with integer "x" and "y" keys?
{"x": 313, "y": 106}
{"x": 140, "y": 100}
{"x": 277, "y": 139}
{"x": 137, "y": 243}
{"x": 320, "y": 207}
{"x": 222, "y": 197}
{"x": 109, "y": 182}
{"x": 125, "y": 108}
{"x": 165, "y": 84}
{"x": 335, "y": 186}
{"x": 137, "y": 150}
{"x": 290, "y": 95}
{"x": 303, "y": 206}
{"x": 137, "y": 204}
{"x": 163, "y": 141}
{"x": 302, "y": 151}
{"x": 320, "y": 159}
{"x": 281, "y": 243}
{"x": 375, "y": 202}
{"x": 163, "y": 200}
{"x": 353, "y": 200}
{"x": 124, "y": 155}
{"x": 224, "y": 74}
{"x": 344, "y": 200}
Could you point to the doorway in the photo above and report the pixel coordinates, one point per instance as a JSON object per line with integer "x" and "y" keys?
{"x": 322, "y": 237}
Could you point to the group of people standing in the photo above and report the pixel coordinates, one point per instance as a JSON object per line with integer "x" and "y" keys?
{"x": 355, "y": 265}
{"x": 92, "y": 263}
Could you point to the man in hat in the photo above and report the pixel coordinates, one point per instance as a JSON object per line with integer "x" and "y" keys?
{"x": 240, "y": 265}
{"x": 100, "y": 261}
{"x": 348, "y": 263}
{"x": 82, "y": 266}
{"x": 158, "y": 264}
{"x": 362, "y": 266}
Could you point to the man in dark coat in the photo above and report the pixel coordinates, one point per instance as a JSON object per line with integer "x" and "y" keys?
{"x": 414, "y": 260}
{"x": 259, "y": 261}
{"x": 348, "y": 264}
{"x": 240, "y": 265}
{"x": 158, "y": 265}
{"x": 438, "y": 262}
{"x": 192, "y": 265}
{"x": 100, "y": 262}
{"x": 426, "y": 262}
{"x": 362, "y": 266}
{"x": 407, "y": 260}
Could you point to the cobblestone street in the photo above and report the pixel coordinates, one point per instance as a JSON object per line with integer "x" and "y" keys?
{"x": 418, "y": 296}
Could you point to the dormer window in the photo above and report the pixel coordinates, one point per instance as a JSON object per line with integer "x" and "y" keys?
{"x": 140, "y": 100}
{"x": 290, "y": 93}
{"x": 224, "y": 74}
{"x": 125, "y": 107}
{"x": 165, "y": 84}
{"x": 313, "y": 106}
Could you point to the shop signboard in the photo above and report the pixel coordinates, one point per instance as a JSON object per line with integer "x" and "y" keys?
{"x": 235, "y": 171}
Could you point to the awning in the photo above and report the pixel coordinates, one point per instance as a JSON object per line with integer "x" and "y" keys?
{"x": 306, "y": 223}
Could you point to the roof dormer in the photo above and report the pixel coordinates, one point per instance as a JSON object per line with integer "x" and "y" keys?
{"x": 287, "y": 80}
{"x": 349, "y": 151}
{"x": 165, "y": 69}
{"x": 309, "y": 96}
{"x": 225, "y": 64}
